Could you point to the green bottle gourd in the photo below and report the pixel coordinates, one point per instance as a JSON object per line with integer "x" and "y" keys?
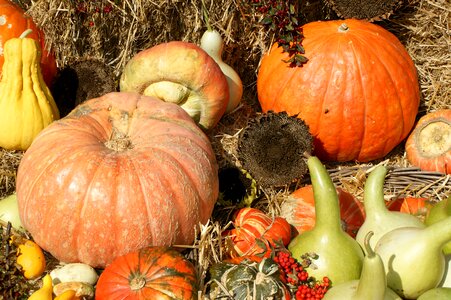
{"x": 436, "y": 294}
{"x": 372, "y": 284}
{"x": 339, "y": 255}
{"x": 440, "y": 211}
{"x": 378, "y": 218}
{"x": 413, "y": 257}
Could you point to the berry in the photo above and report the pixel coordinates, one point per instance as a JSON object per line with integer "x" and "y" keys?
{"x": 297, "y": 278}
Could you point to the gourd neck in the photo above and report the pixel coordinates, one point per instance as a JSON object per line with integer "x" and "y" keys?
{"x": 327, "y": 209}
{"x": 439, "y": 233}
{"x": 374, "y": 202}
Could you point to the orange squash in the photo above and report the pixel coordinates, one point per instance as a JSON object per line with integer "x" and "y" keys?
{"x": 252, "y": 228}
{"x": 299, "y": 210}
{"x": 410, "y": 205}
{"x": 150, "y": 273}
{"x": 358, "y": 92}
{"x": 429, "y": 145}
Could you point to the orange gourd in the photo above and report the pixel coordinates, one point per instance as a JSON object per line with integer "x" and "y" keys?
{"x": 120, "y": 172}
{"x": 13, "y": 22}
{"x": 429, "y": 145}
{"x": 410, "y": 205}
{"x": 299, "y": 210}
{"x": 150, "y": 273}
{"x": 358, "y": 92}
{"x": 255, "y": 232}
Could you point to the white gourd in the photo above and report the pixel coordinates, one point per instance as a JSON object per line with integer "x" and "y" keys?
{"x": 212, "y": 43}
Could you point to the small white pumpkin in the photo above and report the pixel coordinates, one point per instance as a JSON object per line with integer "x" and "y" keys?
{"x": 74, "y": 272}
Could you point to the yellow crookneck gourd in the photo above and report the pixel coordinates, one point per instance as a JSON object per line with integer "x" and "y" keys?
{"x": 26, "y": 104}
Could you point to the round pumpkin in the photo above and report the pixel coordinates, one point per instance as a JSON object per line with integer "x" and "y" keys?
{"x": 254, "y": 233}
{"x": 358, "y": 92}
{"x": 410, "y": 205}
{"x": 299, "y": 210}
{"x": 149, "y": 273}
{"x": 120, "y": 172}
{"x": 429, "y": 145}
{"x": 13, "y": 22}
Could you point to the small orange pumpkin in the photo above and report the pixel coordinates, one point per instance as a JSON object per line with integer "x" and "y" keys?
{"x": 253, "y": 226}
{"x": 429, "y": 145}
{"x": 299, "y": 210}
{"x": 409, "y": 205}
{"x": 149, "y": 273}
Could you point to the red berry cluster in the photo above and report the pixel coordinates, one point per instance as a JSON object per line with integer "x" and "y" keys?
{"x": 90, "y": 8}
{"x": 297, "y": 278}
{"x": 283, "y": 17}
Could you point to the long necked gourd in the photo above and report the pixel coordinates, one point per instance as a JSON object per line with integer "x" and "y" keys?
{"x": 339, "y": 255}
{"x": 378, "y": 218}
{"x": 372, "y": 284}
{"x": 413, "y": 257}
{"x": 212, "y": 43}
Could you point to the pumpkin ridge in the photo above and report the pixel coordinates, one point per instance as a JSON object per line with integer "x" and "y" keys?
{"x": 188, "y": 174}
{"x": 85, "y": 203}
{"x": 186, "y": 216}
{"x": 37, "y": 178}
{"x": 388, "y": 129}
{"x": 362, "y": 90}
{"x": 323, "y": 103}
{"x": 149, "y": 211}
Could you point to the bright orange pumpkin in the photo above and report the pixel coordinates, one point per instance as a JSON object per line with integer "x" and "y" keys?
{"x": 150, "y": 273}
{"x": 253, "y": 227}
{"x": 410, "y": 205}
{"x": 358, "y": 92}
{"x": 120, "y": 172}
{"x": 299, "y": 210}
{"x": 429, "y": 145}
{"x": 13, "y": 22}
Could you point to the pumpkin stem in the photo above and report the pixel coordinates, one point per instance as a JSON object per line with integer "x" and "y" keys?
{"x": 137, "y": 283}
{"x": 343, "y": 27}
{"x": 25, "y": 33}
{"x": 119, "y": 140}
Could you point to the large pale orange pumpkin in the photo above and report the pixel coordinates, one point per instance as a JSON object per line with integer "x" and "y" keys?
{"x": 13, "y": 22}
{"x": 299, "y": 210}
{"x": 119, "y": 173}
{"x": 358, "y": 91}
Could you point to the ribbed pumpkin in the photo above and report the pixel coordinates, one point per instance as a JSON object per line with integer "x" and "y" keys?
{"x": 429, "y": 145}
{"x": 358, "y": 91}
{"x": 299, "y": 210}
{"x": 410, "y": 205}
{"x": 149, "y": 273}
{"x": 248, "y": 279}
{"x": 255, "y": 233}
{"x": 14, "y": 21}
{"x": 120, "y": 172}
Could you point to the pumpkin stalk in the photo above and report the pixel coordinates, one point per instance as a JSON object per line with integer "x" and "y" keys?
{"x": 137, "y": 283}
{"x": 25, "y": 33}
{"x": 343, "y": 27}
